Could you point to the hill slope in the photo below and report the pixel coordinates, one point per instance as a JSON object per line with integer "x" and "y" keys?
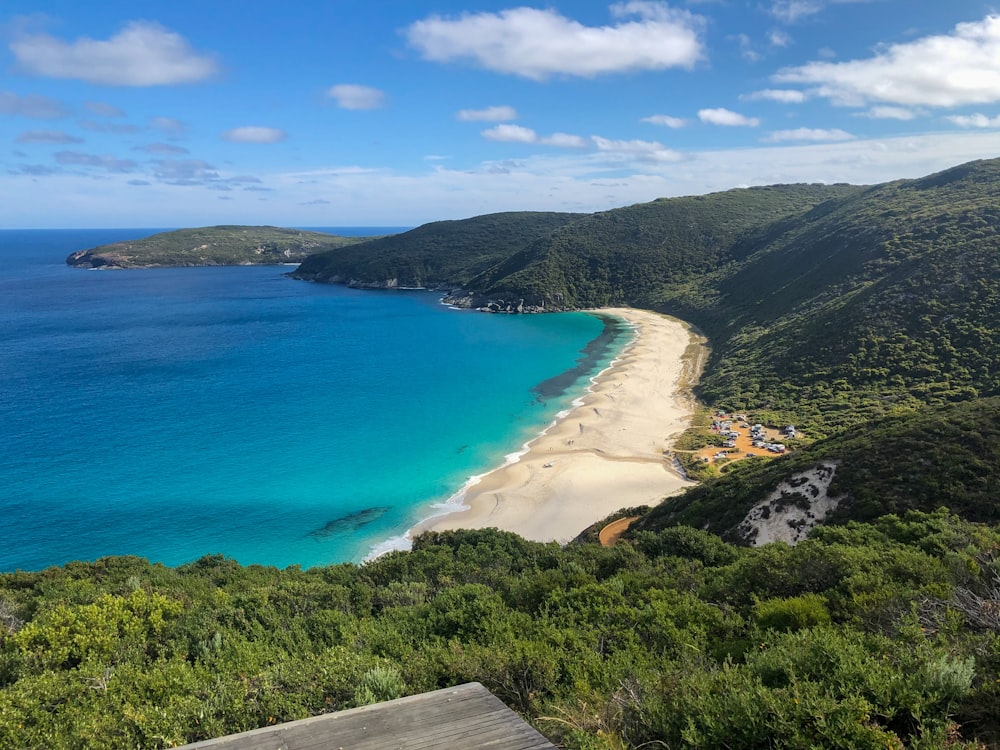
{"x": 211, "y": 246}
{"x": 948, "y": 456}
{"x": 443, "y": 253}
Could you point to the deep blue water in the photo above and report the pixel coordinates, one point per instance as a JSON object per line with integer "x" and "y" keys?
{"x": 174, "y": 413}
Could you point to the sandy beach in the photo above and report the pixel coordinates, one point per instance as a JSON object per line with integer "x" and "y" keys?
{"x": 605, "y": 454}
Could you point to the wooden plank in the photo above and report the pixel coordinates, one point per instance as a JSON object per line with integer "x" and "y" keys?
{"x": 466, "y": 716}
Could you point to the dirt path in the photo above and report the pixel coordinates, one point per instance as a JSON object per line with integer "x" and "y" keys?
{"x": 610, "y": 533}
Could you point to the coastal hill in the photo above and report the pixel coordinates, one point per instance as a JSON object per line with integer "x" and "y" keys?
{"x": 442, "y": 254}
{"x": 211, "y": 246}
{"x": 919, "y": 461}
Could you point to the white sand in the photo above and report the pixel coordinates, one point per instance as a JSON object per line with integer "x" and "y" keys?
{"x": 790, "y": 512}
{"x": 607, "y": 453}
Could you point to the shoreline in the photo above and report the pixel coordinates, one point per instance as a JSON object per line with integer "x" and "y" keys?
{"x": 605, "y": 453}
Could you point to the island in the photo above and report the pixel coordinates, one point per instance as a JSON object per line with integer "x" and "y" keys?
{"x": 227, "y": 245}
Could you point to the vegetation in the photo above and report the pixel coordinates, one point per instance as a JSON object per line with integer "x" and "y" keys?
{"x": 868, "y": 635}
{"x": 211, "y": 246}
{"x": 948, "y": 456}
{"x": 440, "y": 254}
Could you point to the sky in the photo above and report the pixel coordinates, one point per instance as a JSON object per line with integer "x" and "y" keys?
{"x": 400, "y": 112}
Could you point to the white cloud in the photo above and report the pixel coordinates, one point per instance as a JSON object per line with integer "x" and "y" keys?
{"x": 665, "y": 120}
{"x": 817, "y": 135}
{"x": 779, "y": 38}
{"x": 538, "y": 44}
{"x": 747, "y": 51}
{"x": 975, "y": 121}
{"x": 489, "y": 114}
{"x": 507, "y": 133}
{"x": 891, "y": 113}
{"x": 791, "y": 11}
{"x": 947, "y": 70}
{"x": 354, "y": 96}
{"x": 645, "y": 151}
{"x": 254, "y": 134}
{"x": 785, "y": 96}
{"x": 511, "y": 134}
{"x": 551, "y": 181}
{"x": 47, "y": 136}
{"x": 141, "y": 54}
{"x": 726, "y": 117}
{"x": 33, "y": 105}
{"x": 565, "y": 140}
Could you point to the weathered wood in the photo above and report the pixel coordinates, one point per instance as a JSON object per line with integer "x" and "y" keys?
{"x": 467, "y": 716}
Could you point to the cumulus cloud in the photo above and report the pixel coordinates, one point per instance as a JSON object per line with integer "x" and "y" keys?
{"x": 162, "y": 149}
{"x": 103, "y": 109}
{"x": 353, "y": 96}
{"x": 816, "y": 135}
{"x": 564, "y": 140}
{"x": 141, "y": 54}
{"x": 254, "y": 134}
{"x": 47, "y": 136}
{"x": 507, "y": 133}
{"x": 511, "y": 134}
{"x": 975, "y": 121}
{"x": 106, "y": 161}
{"x": 649, "y": 151}
{"x": 947, "y": 70}
{"x": 785, "y": 96}
{"x": 538, "y": 44}
{"x": 489, "y": 114}
{"x": 891, "y": 113}
{"x": 665, "y": 120}
{"x": 726, "y": 117}
{"x": 32, "y": 105}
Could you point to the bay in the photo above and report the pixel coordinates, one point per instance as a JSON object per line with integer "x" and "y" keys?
{"x": 174, "y": 413}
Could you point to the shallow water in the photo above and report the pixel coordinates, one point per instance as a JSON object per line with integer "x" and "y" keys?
{"x": 173, "y": 413}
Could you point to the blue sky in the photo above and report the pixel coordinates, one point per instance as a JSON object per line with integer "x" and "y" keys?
{"x": 399, "y": 112}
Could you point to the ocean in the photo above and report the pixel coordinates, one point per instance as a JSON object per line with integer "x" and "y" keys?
{"x": 177, "y": 413}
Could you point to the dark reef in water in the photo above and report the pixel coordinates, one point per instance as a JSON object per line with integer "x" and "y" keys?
{"x": 350, "y": 522}
{"x": 593, "y": 353}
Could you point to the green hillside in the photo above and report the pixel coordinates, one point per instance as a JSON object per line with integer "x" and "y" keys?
{"x": 867, "y": 636}
{"x": 211, "y": 246}
{"x": 880, "y": 301}
{"x": 947, "y": 456}
{"x": 627, "y": 255}
{"x": 442, "y": 253}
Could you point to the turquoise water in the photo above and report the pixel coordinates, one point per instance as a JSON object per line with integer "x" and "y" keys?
{"x": 174, "y": 413}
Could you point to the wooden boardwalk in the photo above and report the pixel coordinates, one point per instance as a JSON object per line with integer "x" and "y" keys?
{"x": 467, "y": 716}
